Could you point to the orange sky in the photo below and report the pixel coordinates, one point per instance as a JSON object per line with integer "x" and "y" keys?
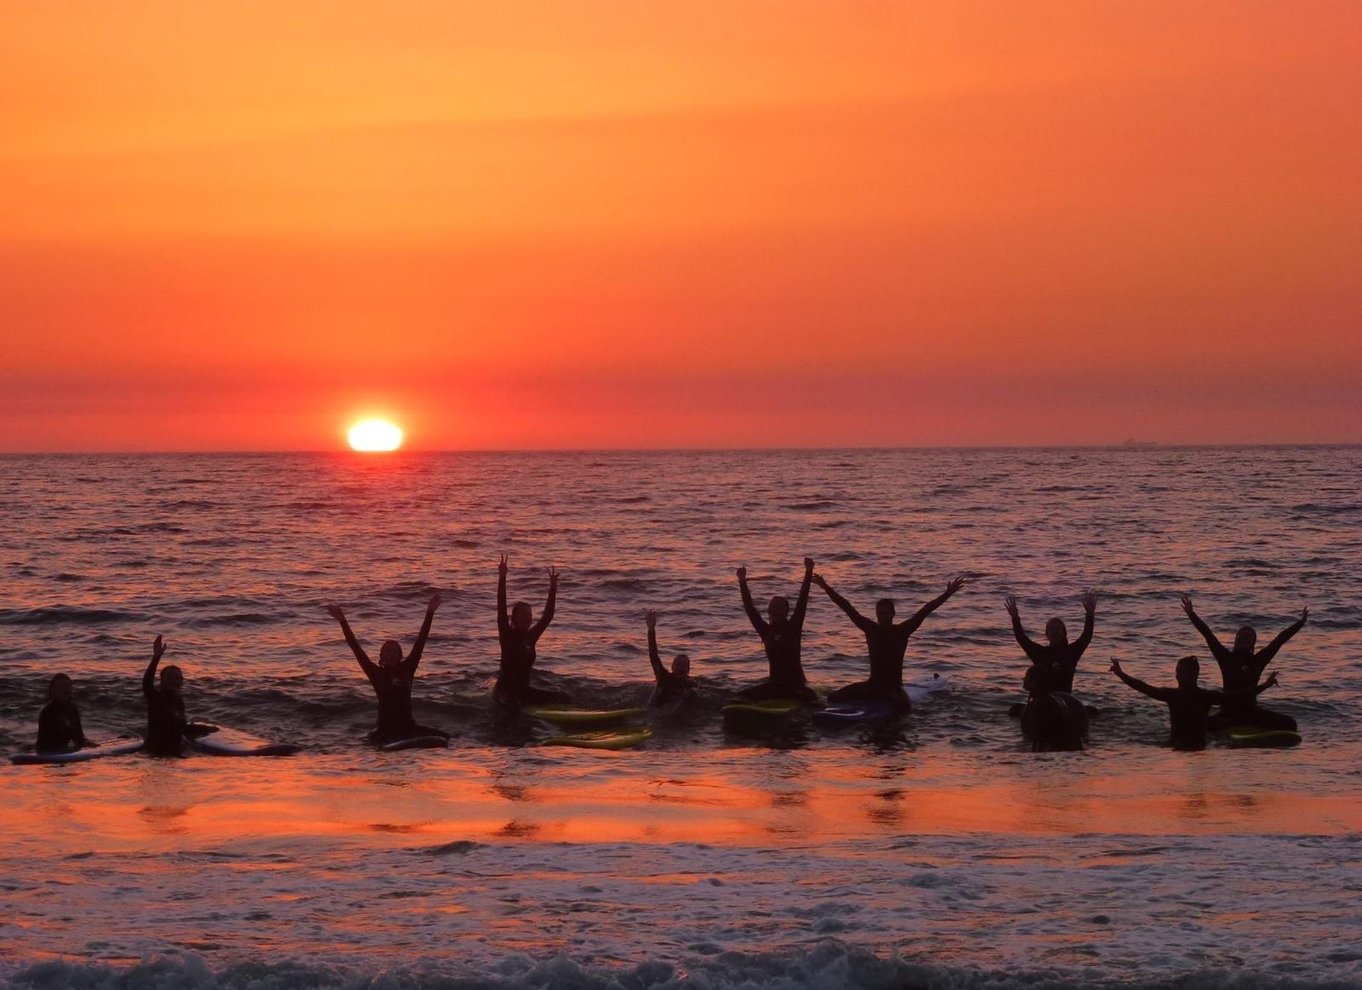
{"x": 543, "y": 224}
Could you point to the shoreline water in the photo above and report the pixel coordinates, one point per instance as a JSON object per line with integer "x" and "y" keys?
{"x": 941, "y": 851}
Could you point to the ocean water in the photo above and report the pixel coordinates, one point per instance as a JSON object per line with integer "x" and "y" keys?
{"x": 935, "y": 852}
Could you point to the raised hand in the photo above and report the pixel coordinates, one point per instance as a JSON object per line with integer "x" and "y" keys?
{"x": 1089, "y": 602}
{"x": 335, "y": 612}
{"x": 650, "y": 617}
{"x": 808, "y": 565}
{"x": 1010, "y": 603}
{"x": 1115, "y": 666}
{"x": 158, "y": 649}
{"x": 435, "y": 602}
{"x": 1305, "y": 614}
{"x": 502, "y": 566}
{"x": 553, "y": 574}
{"x": 955, "y": 585}
{"x": 819, "y": 580}
{"x": 1187, "y": 606}
{"x": 742, "y": 573}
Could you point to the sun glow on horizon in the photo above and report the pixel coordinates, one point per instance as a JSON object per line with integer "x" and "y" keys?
{"x": 375, "y": 435}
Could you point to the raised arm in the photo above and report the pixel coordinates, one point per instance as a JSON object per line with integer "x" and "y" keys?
{"x": 547, "y": 617}
{"x": 654, "y": 658}
{"x": 1033, "y": 650}
{"x": 758, "y": 623}
{"x": 1089, "y": 613}
{"x": 149, "y": 678}
{"x": 1217, "y": 648}
{"x": 503, "y": 620}
{"x": 859, "y": 620}
{"x": 1159, "y": 694}
{"x": 365, "y": 663}
{"x": 1269, "y": 651}
{"x": 951, "y": 588}
{"x": 802, "y": 605}
{"x": 415, "y": 657}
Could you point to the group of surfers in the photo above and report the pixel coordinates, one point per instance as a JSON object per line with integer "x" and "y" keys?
{"x": 1052, "y": 718}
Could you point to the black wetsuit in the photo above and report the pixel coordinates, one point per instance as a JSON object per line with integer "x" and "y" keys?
{"x": 886, "y": 645}
{"x": 670, "y": 687}
{"x": 392, "y": 686}
{"x": 1188, "y": 709}
{"x": 782, "y": 642}
{"x": 1061, "y": 660}
{"x": 518, "y": 654}
{"x": 1239, "y": 676}
{"x": 59, "y": 728}
{"x": 165, "y": 716}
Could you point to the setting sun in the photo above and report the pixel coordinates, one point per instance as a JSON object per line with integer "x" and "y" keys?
{"x": 375, "y": 435}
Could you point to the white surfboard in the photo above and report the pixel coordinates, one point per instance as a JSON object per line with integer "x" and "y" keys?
{"x": 230, "y": 742}
{"x": 121, "y": 746}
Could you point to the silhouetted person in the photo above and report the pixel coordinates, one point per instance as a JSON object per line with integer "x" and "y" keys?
{"x": 886, "y": 644}
{"x": 1057, "y": 655}
{"x": 166, "y": 722}
{"x": 519, "y": 634}
{"x": 59, "y": 729}
{"x": 391, "y": 679}
{"x": 781, "y": 635}
{"x": 1188, "y": 704}
{"x": 1240, "y": 669}
{"x": 673, "y": 685}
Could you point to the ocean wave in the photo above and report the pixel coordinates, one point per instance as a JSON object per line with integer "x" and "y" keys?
{"x": 1315, "y": 508}
{"x": 829, "y": 964}
{"x": 51, "y": 614}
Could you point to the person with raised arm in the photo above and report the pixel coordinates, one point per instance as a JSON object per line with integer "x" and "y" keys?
{"x": 781, "y": 634}
{"x": 519, "y": 634}
{"x": 59, "y": 728}
{"x": 391, "y": 679}
{"x": 167, "y": 725}
{"x": 1188, "y": 704}
{"x": 1057, "y": 656}
{"x": 1240, "y": 670}
{"x": 886, "y": 643}
{"x": 675, "y": 685}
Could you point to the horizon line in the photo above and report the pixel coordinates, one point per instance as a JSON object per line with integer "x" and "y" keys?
{"x": 1117, "y": 445}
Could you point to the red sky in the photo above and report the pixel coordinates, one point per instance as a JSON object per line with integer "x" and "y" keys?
{"x": 542, "y": 224}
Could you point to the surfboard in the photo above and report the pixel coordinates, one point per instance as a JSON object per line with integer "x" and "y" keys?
{"x": 414, "y": 742}
{"x": 870, "y": 710}
{"x": 759, "y": 715}
{"x": 1252, "y": 737}
{"x": 919, "y": 690}
{"x": 230, "y": 742}
{"x": 584, "y": 716}
{"x": 121, "y": 746}
{"x": 623, "y": 739}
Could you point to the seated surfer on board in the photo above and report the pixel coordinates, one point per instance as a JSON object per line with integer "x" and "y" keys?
{"x": 1240, "y": 669}
{"x": 1057, "y": 655}
{"x": 391, "y": 679}
{"x": 675, "y": 685}
{"x": 166, "y": 722}
{"x": 1188, "y": 704}
{"x": 886, "y": 644}
{"x": 59, "y": 729}
{"x": 780, "y": 634}
{"x": 519, "y": 634}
